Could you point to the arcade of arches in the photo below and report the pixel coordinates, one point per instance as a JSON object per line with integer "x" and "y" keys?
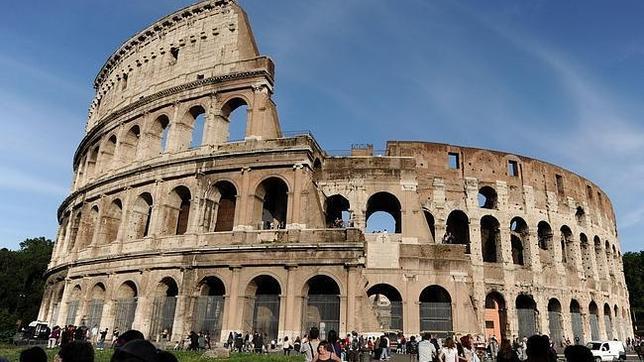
{"x": 289, "y": 303}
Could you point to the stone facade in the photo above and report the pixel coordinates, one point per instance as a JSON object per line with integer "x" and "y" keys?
{"x": 164, "y": 230}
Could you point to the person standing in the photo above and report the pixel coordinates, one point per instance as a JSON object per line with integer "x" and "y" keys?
{"x": 506, "y": 353}
{"x": 286, "y": 346}
{"x": 101, "y": 339}
{"x": 53, "y": 337}
{"x": 426, "y": 350}
{"x": 449, "y": 353}
{"x": 310, "y": 347}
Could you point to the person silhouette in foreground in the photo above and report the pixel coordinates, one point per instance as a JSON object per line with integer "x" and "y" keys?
{"x": 578, "y": 353}
{"x": 135, "y": 348}
{"x": 33, "y": 354}
{"x": 76, "y": 351}
{"x": 538, "y": 349}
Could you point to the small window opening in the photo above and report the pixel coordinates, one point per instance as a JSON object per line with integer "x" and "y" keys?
{"x": 453, "y": 160}
{"x": 513, "y": 169}
{"x": 174, "y": 52}
{"x": 124, "y": 82}
{"x": 560, "y": 184}
{"x": 200, "y": 76}
{"x": 589, "y": 192}
{"x": 580, "y": 214}
{"x": 487, "y": 198}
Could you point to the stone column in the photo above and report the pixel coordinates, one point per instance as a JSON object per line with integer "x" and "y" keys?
{"x": 217, "y": 128}
{"x": 291, "y": 304}
{"x": 63, "y": 306}
{"x": 353, "y": 276}
{"x": 235, "y": 309}
{"x": 246, "y": 199}
{"x": 180, "y": 317}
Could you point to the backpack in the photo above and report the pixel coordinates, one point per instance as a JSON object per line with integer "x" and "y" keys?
{"x": 296, "y": 346}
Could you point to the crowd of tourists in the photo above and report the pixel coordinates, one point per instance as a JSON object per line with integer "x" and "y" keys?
{"x": 77, "y": 344}
{"x": 78, "y": 347}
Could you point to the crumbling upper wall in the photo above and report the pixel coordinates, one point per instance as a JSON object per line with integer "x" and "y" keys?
{"x": 210, "y": 38}
{"x": 490, "y": 167}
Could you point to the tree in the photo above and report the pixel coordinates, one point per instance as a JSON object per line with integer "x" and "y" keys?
{"x": 21, "y": 278}
{"x": 634, "y": 274}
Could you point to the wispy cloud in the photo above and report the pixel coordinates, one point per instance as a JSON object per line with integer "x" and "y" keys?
{"x": 13, "y": 179}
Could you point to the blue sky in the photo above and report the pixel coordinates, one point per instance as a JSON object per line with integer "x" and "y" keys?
{"x": 558, "y": 81}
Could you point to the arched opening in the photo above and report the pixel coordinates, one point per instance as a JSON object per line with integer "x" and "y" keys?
{"x": 576, "y": 322}
{"x": 236, "y": 113}
{"x": 92, "y": 158}
{"x": 197, "y": 120}
{"x": 140, "y": 217}
{"x": 431, "y": 224}
{"x": 555, "y": 322}
{"x": 322, "y": 305}
{"x": 262, "y": 309}
{"x": 337, "y": 212}
{"x": 593, "y": 319}
{"x": 458, "y": 229}
{"x": 111, "y": 222}
{"x": 209, "y": 308}
{"x": 177, "y": 211}
{"x": 74, "y": 231}
{"x": 95, "y": 308}
{"x": 608, "y": 259}
{"x": 55, "y": 308}
{"x": 567, "y": 252}
{"x": 491, "y": 239}
{"x": 608, "y": 322}
{"x": 125, "y": 306}
{"x": 546, "y": 248}
{"x": 586, "y": 260}
{"x": 73, "y": 305}
{"x": 386, "y": 301}
{"x": 436, "y": 311}
{"x": 219, "y": 214}
{"x": 487, "y": 198}
{"x": 526, "y": 315}
{"x": 383, "y": 213}
{"x": 107, "y": 153}
{"x": 160, "y": 132}
{"x": 272, "y": 196}
{"x": 88, "y": 227}
{"x": 163, "y": 309}
{"x": 600, "y": 258}
{"x": 495, "y": 316}
{"x": 518, "y": 238}
{"x": 130, "y": 144}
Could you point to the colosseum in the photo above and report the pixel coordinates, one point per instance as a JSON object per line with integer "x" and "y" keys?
{"x": 171, "y": 224}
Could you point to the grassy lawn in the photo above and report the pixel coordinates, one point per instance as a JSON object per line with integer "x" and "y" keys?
{"x": 12, "y": 353}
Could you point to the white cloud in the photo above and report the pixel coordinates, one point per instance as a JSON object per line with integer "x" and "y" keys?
{"x": 13, "y": 179}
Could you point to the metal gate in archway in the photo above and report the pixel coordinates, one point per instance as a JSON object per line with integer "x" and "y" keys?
{"x": 577, "y": 327}
{"x": 436, "y": 318}
{"x": 555, "y": 326}
{"x": 266, "y": 311}
{"x": 72, "y": 310}
{"x": 163, "y": 309}
{"x": 322, "y": 311}
{"x": 124, "y": 314}
{"x": 527, "y": 322}
{"x": 594, "y": 327}
{"x": 389, "y": 316}
{"x": 95, "y": 313}
{"x": 609, "y": 327}
{"x": 208, "y": 315}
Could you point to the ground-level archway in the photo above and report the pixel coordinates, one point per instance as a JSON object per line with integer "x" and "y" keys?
{"x": 321, "y": 305}
{"x": 576, "y": 322}
{"x": 555, "y": 323}
{"x": 386, "y": 302}
{"x": 262, "y": 308}
{"x": 163, "y": 309}
{"x": 436, "y": 311}
{"x": 495, "y": 316}
{"x": 209, "y": 308}
{"x": 526, "y": 315}
{"x": 125, "y": 306}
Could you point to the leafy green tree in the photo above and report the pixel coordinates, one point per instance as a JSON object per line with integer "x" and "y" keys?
{"x": 21, "y": 278}
{"x": 634, "y": 274}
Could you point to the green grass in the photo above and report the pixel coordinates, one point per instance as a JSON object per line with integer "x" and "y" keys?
{"x": 12, "y": 353}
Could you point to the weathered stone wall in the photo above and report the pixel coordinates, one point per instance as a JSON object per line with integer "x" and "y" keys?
{"x": 152, "y": 216}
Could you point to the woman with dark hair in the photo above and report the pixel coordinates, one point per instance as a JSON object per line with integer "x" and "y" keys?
{"x": 449, "y": 353}
{"x": 332, "y": 338}
{"x": 325, "y": 354}
{"x": 506, "y": 353}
